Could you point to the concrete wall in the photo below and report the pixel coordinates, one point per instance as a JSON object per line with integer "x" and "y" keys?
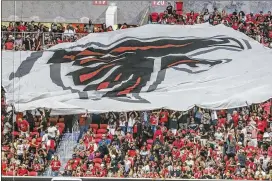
{"x": 70, "y": 11}
{"x": 128, "y": 11}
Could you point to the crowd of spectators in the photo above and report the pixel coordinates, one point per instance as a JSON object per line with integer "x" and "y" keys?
{"x": 37, "y": 37}
{"x": 257, "y": 26}
{"x": 196, "y": 144}
{"x": 28, "y": 141}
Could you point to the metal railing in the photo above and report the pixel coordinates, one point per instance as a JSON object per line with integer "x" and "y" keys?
{"x": 42, "y": 39}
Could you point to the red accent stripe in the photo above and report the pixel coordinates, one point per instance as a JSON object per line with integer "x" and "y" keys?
{"x": 103, "y": 85}
{"x": 88, "y": 53}
{"x": 88, "y": 60}
{"x": 117, "y": 77}
{"x": 183, "y": 61}
{"x": 123, "y": 49}
{"x": 129, "y": 89}
{"x": 85, "y": 77}
{"x": 71, "y": 57}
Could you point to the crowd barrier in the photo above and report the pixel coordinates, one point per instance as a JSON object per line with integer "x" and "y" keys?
{"x": 6, "y": 178}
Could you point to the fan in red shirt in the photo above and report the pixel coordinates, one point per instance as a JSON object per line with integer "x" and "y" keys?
{"x": 23, "y": 125}
{"x": 164, "y": 115}
{"x": 55, "y": 166}
{"x": 22, "y": 171}
{"x": 158, "y": 134}
{"x": 21, "y": 27}
{"x": 9, "y": 45}
{"x": 36, "y": 166}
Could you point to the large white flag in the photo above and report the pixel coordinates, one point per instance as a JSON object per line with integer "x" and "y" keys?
{"x": 153, "y": 66}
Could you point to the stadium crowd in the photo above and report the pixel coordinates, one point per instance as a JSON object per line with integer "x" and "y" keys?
{"x": 257, "y": 26}
{"x": 28, "y": 141}
{"x": 37, "y": 37}
{"x": 226, "y": 144}
{"x": 199, "y": 143}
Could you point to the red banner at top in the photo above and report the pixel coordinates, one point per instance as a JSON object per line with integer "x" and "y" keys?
{"x": 100, "y": 2}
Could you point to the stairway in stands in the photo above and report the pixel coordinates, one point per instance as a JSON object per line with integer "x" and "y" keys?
{"x": 66, "y": 147}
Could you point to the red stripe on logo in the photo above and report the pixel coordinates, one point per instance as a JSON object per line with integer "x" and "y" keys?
{"x": 85, "y": 77}
{"x": 129, "y": 89}
{"x": 117, "y": 77}
{"x": 103, "y": 85}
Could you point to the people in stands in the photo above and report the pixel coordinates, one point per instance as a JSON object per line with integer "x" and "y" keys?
{"x": 219, "y": 145}
{"x": 256, "y": 26}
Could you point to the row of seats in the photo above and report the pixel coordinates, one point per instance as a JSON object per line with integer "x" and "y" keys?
{"x": 32, "y": 173}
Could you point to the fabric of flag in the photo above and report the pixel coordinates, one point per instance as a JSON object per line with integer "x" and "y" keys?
{"x": 149, "y": 67}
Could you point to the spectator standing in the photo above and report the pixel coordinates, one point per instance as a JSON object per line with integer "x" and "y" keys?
{"x": 23, "y": 127}
{"x": 28, "y": 43}
{"x": 52, "y": 131}
{"x": 112, "y": 123}
{"x": 21, "y": 27}
{"x": 173, "y": 123}
{"x": 84, "y": 122}
{"x": 123, "y": 123}
{"x": 18, "y": 43}
{"x": 131, "y": 121}
{"x": 69, "y": 31}
{"x": 169, "y": 8}
{"x": 55, "y": 166}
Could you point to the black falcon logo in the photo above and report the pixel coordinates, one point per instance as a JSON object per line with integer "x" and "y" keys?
{"x": 125, "y": 67}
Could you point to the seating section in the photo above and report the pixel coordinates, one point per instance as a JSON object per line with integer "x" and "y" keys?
{"x": 257, "y": 26}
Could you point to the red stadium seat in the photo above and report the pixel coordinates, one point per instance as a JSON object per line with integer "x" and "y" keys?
{"x": 97, "y": 165}
{"x": 154, "y": 17}
{"x": 98, "y": 136}
{"x": 97, "y": 140}
{"x": 11, "y": 173}
{"x": 97, "y": 160}
{"x": 32, "y": 173}
{"x": 103, "y": 126}
{"x": 94, "y": 126}
{"x": 179, "y": 6}
{"x": 101, "y": 131}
